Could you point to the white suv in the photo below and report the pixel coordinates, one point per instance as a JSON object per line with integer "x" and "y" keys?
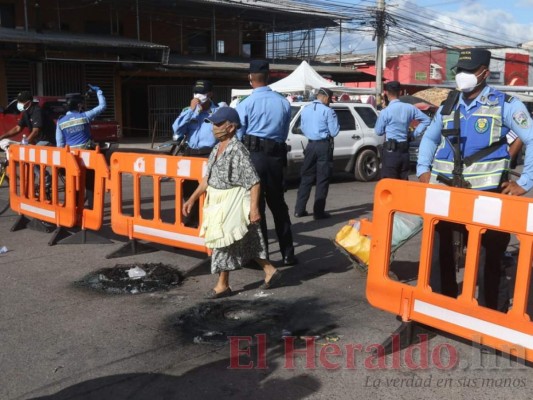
{"x": 356, "y": 146}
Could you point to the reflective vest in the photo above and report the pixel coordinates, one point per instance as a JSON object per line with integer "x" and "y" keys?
{"x": 76, "y": 128}
{"x": 480, "y": 127}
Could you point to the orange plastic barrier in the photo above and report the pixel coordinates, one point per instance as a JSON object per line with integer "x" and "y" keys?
{"x": 155, "y": 167}
{"x": 91, "y": 160}
{"x": 510, "y": 332}
{"x": 50, "y": 205}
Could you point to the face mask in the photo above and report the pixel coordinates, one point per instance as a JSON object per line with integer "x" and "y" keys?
{"x": 20, "y": 107}
{"x": 202, "y": 97}
{"x": 466, "y": 82}
{"x": 220, "y": 132}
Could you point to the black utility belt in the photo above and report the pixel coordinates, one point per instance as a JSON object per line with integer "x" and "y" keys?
{"x": 202, "y": 151}
{"x": 394, "y": 145}
{"x": 268, "y": 146}
{"x": 318, "y": 141}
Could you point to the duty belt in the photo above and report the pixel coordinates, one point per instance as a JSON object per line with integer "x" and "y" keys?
{"x": 271, "y": 147}
{"x": 202, "y": 151}
{"x": 394, "y": 145}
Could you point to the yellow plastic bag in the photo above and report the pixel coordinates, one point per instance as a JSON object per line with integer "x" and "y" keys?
{"x": 350, "y": 239}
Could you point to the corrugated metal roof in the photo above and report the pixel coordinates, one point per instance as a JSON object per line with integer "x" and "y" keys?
{"x": 285, "y": 6}
{"x": 337, "y": 73}
{"x": 72, "y": 39}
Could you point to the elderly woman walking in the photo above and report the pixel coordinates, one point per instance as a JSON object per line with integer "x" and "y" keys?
{"x": 231, "y": 210}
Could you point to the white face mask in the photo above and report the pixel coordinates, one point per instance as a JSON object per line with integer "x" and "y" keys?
{"x": 20, "y": 107}
{"x": 466, "y": 82}
{"x": 202, "y": 97}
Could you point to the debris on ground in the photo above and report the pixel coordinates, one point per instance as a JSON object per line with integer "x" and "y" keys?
{"x": 133, "y": 278}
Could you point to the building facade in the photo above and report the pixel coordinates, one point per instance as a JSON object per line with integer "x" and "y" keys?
{"x": 147, "y": 54}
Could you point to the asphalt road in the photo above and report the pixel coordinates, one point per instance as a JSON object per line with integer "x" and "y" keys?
{"x": 60, "y": 340}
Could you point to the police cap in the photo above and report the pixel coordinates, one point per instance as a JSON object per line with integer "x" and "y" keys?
{"x": 472, "y": 59}
{"x": 202, "y": 87}
{"x": 393, "y": 86}
{"x": 223, "y": 114}
{"x": 259, "y": 66}
{"x": 325, "y": 92}
{"x": 73, "y": 100}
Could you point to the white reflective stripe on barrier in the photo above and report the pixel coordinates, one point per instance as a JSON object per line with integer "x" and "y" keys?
{"x": 474, "y": 324}
{"x": 169, "y": 235}
{"x": 37, "y": 210}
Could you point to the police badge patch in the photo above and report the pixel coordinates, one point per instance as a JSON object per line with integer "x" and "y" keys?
{"x": 521, "y": 119}
{"x": 482, "y": 125}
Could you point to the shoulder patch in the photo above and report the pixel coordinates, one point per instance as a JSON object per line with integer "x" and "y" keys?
{"x": 508, "y": 98}
{"x": 522, "y": 119}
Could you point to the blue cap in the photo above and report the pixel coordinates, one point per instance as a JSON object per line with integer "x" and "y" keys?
{"x": 202, "y": 87}
{"x": 259, "y": 66}
{"x": 224, "y": 114}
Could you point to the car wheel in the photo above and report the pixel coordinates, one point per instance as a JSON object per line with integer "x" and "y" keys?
{"x": 366, "y": 166}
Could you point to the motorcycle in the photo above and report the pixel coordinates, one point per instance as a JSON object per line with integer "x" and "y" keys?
{"x": 176, "y": 145}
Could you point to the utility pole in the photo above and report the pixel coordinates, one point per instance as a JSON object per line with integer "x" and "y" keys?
{"x": 25, "y": 16}
{"x": 340, "y": 42}
{"x": 380, "y": 36}
{"x": 138, "y": 20}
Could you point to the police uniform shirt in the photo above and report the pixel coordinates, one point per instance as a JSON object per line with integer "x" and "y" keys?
{"x": 73, "y": 129}
{"x": 394, "y": 120}
{"x": 514, "y": 116}
{"x": 319, "y": 121}
{"x": 265, "y": 114}
{"x": 191, "y": 123}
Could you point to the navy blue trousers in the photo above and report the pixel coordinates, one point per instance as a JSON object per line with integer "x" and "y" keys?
{"x": 493, "y": 288}
{"x": 270, "y": 171}
{"x": 316, "y": 168}
{"x": 395, "y": 164}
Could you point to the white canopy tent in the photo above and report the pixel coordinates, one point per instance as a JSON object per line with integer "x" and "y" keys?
{"x": 305, "y": 79}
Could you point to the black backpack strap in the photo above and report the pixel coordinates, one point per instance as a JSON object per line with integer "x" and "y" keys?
{"x": 478, "y": 155}
{"x": 450, "y": 102}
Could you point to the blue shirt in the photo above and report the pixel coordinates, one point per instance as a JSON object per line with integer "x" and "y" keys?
{"x": 394, "y": 120}
{"x": 515, "y": 117}
{"x": 265, "y": 114}
{"x": 74, "y": 128}
{"x": 319, "y": 121}
{"x": 191, "y": 123}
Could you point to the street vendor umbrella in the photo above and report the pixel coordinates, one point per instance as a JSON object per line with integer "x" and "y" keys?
{"x": 419, "y": 103}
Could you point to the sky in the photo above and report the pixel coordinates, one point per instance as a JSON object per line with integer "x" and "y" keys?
{"x": 518, "y": 10}
{"x": 512, "y": 18}
{"x": 497, "y": 22}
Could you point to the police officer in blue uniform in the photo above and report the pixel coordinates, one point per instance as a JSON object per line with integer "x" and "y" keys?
{"x": 484, "y": 117}
{"x": 320, "y": 125}
{"x": 191, "y": 122}
{"x": 74, "y": 128}
{"x": 265, "y": 117}
{"x": 393, "y": 122}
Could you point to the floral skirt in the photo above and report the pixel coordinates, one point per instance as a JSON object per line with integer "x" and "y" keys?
{"x": 238, "y": 254}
